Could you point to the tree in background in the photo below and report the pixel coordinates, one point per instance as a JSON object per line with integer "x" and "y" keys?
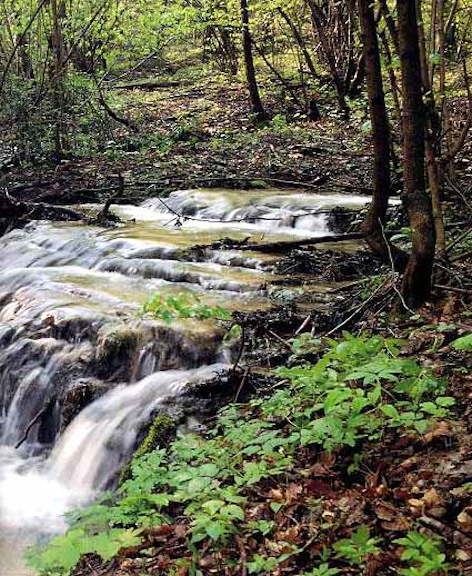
{"x": 255, "y": 99}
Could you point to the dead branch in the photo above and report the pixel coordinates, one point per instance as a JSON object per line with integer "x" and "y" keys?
{"x": 34, "y": 421}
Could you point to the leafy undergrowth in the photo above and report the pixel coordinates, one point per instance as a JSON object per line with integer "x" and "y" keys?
{"x": 183, "y": 306}
{"x": 293, "y": 483}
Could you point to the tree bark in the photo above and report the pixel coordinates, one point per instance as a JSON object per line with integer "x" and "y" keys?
{"x": 254, "y": 97}
{"x": 57, "y": 76}
{"x": 416, "y": 287}
{"x": 317, "y": 19}
{"x": 432, "y": 139}
{"x": 373, "y": 224}
{"x": 390, "y": 22}
{"x": 392, "y": 76}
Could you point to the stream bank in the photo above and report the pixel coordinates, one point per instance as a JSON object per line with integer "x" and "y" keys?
{"x": 72, "y": 295}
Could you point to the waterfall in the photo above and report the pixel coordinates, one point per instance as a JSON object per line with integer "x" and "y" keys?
{"x": 101, "y": 438}
{"x": 36, "y": 493}
{"x": 82, "y": 372}
{"x": 268, "y": 210}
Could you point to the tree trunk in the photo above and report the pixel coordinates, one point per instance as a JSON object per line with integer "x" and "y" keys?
{"x": 317, "y": 19}
{"x": 301, "y": 43}
{"x": 416, "y": 286}
{"x": 432, "y": 140}
{"x": 57, "y": 77}
{"x": 390, "y": 22}
{"x": 373, "y": 226}
{"x": 255, "y": 99}
{"x": 392, "y": 76}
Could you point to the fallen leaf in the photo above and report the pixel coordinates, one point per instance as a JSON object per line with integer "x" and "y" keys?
{"x": 465, "y": 520}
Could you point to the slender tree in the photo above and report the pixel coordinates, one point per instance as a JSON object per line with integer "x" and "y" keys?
{"x": 254, "y": 96}
{"x": 380, "y": 133}
{"x": 416, "y": 286}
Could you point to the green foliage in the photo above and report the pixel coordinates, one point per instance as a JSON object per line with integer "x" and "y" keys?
{"x": 423, "y": 555}
{"x": 463, "y": 343}
{"x": 358, "y": 547}
{"x": 183, "y": 306}
{"x": 160, "y": 433}
{"x": 262, "y": 565}
{"x": 323, "y": 570}
{"x": 358, "y": 391}
{"x": 65, "y": 551}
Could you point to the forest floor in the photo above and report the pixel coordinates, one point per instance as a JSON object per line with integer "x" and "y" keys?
{"x": 202, "y": 134}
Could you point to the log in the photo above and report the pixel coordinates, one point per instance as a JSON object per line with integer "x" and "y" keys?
{"x": 12, "y": 209}
{"x": 284, "y": 246}
{"x": 148, "y": 85}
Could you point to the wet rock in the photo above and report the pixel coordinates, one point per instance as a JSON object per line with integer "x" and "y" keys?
{"x": 342, "y": 220}
{"x": 161, "y": 433}
{"x": 77, "y": 396}
{"x": 116, "y": 352}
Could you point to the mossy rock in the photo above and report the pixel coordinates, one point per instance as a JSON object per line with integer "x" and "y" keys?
{"x": 117, "y": 351}
{"x": 161, "y": 432}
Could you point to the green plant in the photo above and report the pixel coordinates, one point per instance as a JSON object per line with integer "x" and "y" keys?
{"x": 423, "y": 555}
{"x": 358, "y": 547}
{"x": 323, "y": 570}
{"x": 357, "y": 391}
{"x": 63, "y": 554}
{"x": 183, "y": 306}
{"x": 463, "y": 343}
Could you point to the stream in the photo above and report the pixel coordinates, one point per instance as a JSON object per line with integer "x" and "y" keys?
{"x": 82, "y": 371}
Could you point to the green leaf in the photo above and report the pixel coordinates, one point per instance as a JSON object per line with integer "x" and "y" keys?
{"x": 463, "y": 343}
{"x": 390, "y": 411}
{"x": 233, "y": 511}
{"x": 215, "y": 529}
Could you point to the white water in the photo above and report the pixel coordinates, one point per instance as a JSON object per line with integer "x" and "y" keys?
{"x": 64, "y": 287}
{"x": 269, "y": 210}
{"x": 95, "y": 445}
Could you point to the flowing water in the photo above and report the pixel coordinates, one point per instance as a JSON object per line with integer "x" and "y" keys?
{"x": 81, "y": 371}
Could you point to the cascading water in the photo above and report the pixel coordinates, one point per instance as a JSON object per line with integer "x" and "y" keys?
{"x": 95, "y": 445}
{"x": 81, "y": 372}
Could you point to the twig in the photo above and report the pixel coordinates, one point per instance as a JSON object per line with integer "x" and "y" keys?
{"x": 394, "y": 273}
{"x": 350, "y": 285}
{"x": 20, "y": 40}
{"x": 32, "y": 423}
{"x": 241, "y": 350}
{"x": 459, "y": 192}
{"x": 459, "y": 239}
{"x": 183, "y": 217}
{"x": 243, "y": 381}
{"x": 453, "y": 289}
{"x": 280, "y": 339}
{"x": 358, "y": 310}
{"x": 462, "y": 256}
{"x": 458, "y": 536}
{"x": 303, "y": 324}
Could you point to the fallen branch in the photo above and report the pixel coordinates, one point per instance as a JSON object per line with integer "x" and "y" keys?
{"x": 149, "y": 85}
{"x": 358, "y": 309}
{"x": 101, "y": 99}
{"x": 283, "y": 246}
{"x": 10, "y": 209}
{"x": 34, "y": 421}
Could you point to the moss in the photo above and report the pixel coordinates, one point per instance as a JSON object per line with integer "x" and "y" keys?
{"x": 161, "y": 432}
